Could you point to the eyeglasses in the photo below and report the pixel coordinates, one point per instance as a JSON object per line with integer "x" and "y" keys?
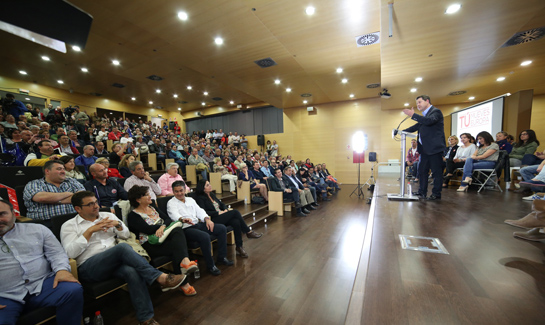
{"x": 89, "y": 205}
{"x": 5, "y": 247}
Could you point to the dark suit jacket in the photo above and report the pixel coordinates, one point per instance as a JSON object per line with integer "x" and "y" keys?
{"x": 204, "y": 202}
{"x": 275, "y": 184}
{"x": 452, "y": 152}
{"x": 431, "y": 131}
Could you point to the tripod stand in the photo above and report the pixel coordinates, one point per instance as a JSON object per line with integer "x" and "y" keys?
{"x": 371, "y": 180}
{"x": 358, "y": 187}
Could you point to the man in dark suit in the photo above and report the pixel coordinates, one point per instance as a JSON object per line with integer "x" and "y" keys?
{"x": 281, "y": 183}
{"x": 431, "y": 144}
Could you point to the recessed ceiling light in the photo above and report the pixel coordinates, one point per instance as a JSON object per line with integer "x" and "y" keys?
{"x": 344, "y": 80}
{"x": 310, "y": 11}
{"x": 175, "y": 96}
{"x": 115, "y": 62}
{"x": 453, "y": 8}
{"x": 203, "y": 103}
{"x": 182, "y": 15}
{"x": 84, "y": 70}
{"x": 218, "y": 40}
{"x": 22, "y": 72}
{"x": 418, "y": 79}
{"x": 231, "y": 102}
{"x": 205, "y": 93}
{"x": 76, "y": 48}
{"x": 150, "y": 102}
{"x": 179, "y": 108}
{"x": 500, "y": 79}
{"x": 339, "y": 70}
{"x": 111, "y": 113}
{"x": 526, "y": 63}
{"x": 304, "y": 102}
{"x": 288, "y": 90}
{"x": 60, "y": 81}
{"x": 471, "y": 98}
{"x": 413, "y": 90}
{"x": 351, "y": 95}
{"x": 27, "y": 98}
{"x": 45, "y": 58}
{"x": 277, "y": 81}
{"x": 158, "y": 91}
{"x": 406, "y": 104}
{"x": 189, "y": 87}
{"x": 133, "y": 98}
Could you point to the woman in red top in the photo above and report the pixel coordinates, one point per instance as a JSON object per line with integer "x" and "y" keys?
{"x": 177, "y": 128}
{"x": 308, "y": 164}
{"x": 230, "y": 166}
{"x": 112, "y": 172}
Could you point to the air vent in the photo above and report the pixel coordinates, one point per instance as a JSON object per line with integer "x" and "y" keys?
{"x": 371, "y": 86}
{"x": 155, "y": 78}
{"x": 525, "y": 37}
{"x": 368, "y": 39}
{"x": 159, "y": 107}
{"x": 306, "y": 95}
{"x": 118, "y": 85}
{"x": 95, "y": 94}
{"x": 217, "y": 98}
{"x": 265, "y": 63}
{"x": 183, "y": 102}
{"x": 457, "y": 93}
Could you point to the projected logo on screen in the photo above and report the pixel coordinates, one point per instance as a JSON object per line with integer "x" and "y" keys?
{"x": 476, "y": 120}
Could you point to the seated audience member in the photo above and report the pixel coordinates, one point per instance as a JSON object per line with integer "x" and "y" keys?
{"x": 246, "y": 175}
{"x": 485, "y": 157}
{"x": 308, "y": 164}
{"x": 198, "y": 227}
{"x": 158, "y": 149}
{"x": 258, "y": 174}
{"x": 413, "y": 157}
{"x": 463, "y": 152}
{"x": 50, "y": 196}
{"x": 175, "y": 153}
{"x": 231, "y": 167}
{"x": 197, "y": 160}
{"x": 501, "y": 141}
{"x": 106, "y": 190}
{"x": 315, "y": 183}
{"x": 60, "y": 131}
{"x": 90, "y": 238}
{"x": 530, "y": 160}
{"x": 144, "y": 221}
{"x": 65, "y": 146}
{"x": 281, "y": 183}
{"x": 141, "y": 177}
{"x": 305, "y": 194}
{"x": 118, "y": 151}
{"x": 450, "y": 151}
{"x": 35, "y": 272}
{"x": 73, "y": 135}
{"x": 9, "y": 123}
{"x": 115, "y": 135}
{"x": 167, "y": 179}
{"x": 266, "y": 169}
{"x": 123, "y": 166}
{"x": 70, "y": 168}
{"x": 226, "y": 174}
{"x": 511, "y": 139}
{"x": 88, "y": 158}
{"x": 327, "y": 175}
{"x": 239, "y": 162}
{"x": 527, "y": 144}
{"x": 208, "y": 157}
{"x": 45, "y": 153}
{"x": 112, "y": 172}
{"x": 102, "y": 134}
{"x": 100, "y": 148}
{"x": 219, "y": 213}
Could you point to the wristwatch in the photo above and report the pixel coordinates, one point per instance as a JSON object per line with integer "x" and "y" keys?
{"x": 119, "y": 224}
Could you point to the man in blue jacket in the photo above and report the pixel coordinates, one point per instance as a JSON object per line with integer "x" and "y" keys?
{"x": 431, "y": 144}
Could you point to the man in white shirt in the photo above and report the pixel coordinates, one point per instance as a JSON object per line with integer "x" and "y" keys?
{"x": 141, "y": 178}
{"x": 89, "y": 238}
{"x": 198, "y": 226}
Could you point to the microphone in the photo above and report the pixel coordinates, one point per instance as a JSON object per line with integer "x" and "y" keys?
{"x": 396, "y": 130}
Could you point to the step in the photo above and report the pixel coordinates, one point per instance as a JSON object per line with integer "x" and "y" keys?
{"x": 249, "y": 209}
{"x": 262, "y": 219}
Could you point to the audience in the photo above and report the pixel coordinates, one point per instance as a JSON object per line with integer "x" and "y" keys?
{"x": 107, "y": 191}
{"x": 70, "y": 168}
{"x": 197, "y": 160}
{"x": 485, "y": 157}
{"x": 142, "y": 178}
{"x": 226, "y": 174}
{"x": 88, "y": 158}
{"x": 123, "y": 166}
{"x": 501, "y": 141}
{"x": 463, "y": 152}
{"x": 247, "y": 176}
{"x": 112, "y": 172}
{"x": 45, "y": 153}
{"x": 305, "y": 194}
{"x": 527, "y": 144}
{"x": 413, "y": 157}
{"x": 167, "y": 179}
{"x": 450, "y": 151}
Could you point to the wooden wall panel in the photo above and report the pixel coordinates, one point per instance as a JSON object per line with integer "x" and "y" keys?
{"x": 538, "y": 118}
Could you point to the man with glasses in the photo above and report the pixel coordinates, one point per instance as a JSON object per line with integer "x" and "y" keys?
{"x": 35, "y": 272}
{"x": 89, "y": 238}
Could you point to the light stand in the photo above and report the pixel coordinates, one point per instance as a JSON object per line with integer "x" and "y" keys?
{"x": 371, "y": 180}
{"x": 359, "y": 188}
{"x": 359, "y": 143}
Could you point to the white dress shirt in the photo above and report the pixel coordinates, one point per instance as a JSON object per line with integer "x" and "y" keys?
{"x": 133, "y": 180}
{"x": 77, "y": 246}
{"x": 177, "y": 209}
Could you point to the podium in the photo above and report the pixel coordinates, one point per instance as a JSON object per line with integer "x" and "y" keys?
{"x": 401, "y": 196}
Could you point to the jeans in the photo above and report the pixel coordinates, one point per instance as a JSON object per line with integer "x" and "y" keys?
{"x": 234, "y": 219}
{"x": 471, "y": 165}
{"x": 530, "y": 159}
{"x": 528, "y": 173}
{"x": 67, "y": 298}
{"x": 201, "y": 234}
{"x": 123, "y": 262}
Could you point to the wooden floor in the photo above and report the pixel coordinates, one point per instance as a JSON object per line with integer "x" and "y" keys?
{"x": 489, "y": 277}
{"x": 301, "y": 271}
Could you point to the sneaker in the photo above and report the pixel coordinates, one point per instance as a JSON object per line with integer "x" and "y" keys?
{"x": 532, "y": 197}
{"x": 173, "y": 281}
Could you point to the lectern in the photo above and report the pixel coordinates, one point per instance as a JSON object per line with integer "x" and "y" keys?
{"x": 401, "y": 196}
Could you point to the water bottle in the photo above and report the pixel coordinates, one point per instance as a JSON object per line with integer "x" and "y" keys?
{"x": 245, "y": 200}
{"x": 197, "y": 273}
{"x": 98, "y": 319}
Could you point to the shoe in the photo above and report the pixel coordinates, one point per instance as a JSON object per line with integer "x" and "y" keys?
{"x": 463, "y": 187}
{"x": 214, "y": 270}
{"x": 240, "y": 251}
{"x": 326, "y": 199}
{"x": 532, "y": 197}
{"x": 234, "y": 193}
{"x": 150, "y": 321}
{"x": 433, "y": 198}
{"x": 329, "y": 194}
{"x": 416, "y": 180}
{"x": 190, "y": 291}
{"x": 532, "y": 235}
{"x": 300, "y": 214}
{"x": 173, "y": 281}
{"x": 189, "y": 268}
{"x": 419, "y": 194}
{"x": 315, "y": 204}
{"x": 311, "y": 207}
{"x": 535, "y": 219}
{"x": 253, "y": 234}
{"x": 225, "y": 261}
{"x": 298, "y": 205}
{"x": 305, "y": 211}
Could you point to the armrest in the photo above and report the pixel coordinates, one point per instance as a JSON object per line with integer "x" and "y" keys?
{"x": 73, "y": 267}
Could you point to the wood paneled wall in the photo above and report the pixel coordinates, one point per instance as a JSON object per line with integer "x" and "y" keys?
{"x": 538, "y": 119}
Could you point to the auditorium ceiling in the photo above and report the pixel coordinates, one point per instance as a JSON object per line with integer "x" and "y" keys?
{"x": 451, "y": 53}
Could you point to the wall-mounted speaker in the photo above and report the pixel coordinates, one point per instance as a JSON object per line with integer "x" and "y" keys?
{"x": 260, "y": 140}
{"x": 373, "y": 156}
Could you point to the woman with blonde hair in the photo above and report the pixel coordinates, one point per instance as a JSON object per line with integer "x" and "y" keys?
{"x": 124, "y": 165}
